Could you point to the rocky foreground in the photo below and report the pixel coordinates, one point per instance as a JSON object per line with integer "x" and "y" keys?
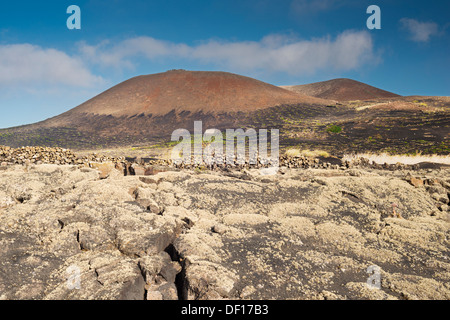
{"x": 198, "y": 234}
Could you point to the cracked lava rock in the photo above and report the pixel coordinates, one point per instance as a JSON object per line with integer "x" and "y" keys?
{"x": 66, "y": 233}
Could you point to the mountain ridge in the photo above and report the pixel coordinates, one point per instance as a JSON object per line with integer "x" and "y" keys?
{"x": 341, "y": 89}
{"x": 192, "y": 91}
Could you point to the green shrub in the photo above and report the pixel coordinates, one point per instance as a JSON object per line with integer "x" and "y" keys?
{"x": 334, "y": 129}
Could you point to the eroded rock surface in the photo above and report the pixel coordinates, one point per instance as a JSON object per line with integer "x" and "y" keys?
{"x": 303, "y": 234}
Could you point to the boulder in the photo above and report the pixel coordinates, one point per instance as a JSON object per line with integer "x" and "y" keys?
{"x": 104, "y": 168}
{"x": 416, "y": 182}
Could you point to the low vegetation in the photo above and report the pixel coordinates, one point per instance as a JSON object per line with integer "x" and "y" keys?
{"x": 334, "y": 129}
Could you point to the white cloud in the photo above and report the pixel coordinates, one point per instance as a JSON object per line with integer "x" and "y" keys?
{"x": 348, "y": 51}
{"x": 119, "y": 55}
{"x": 26, "y": 64}
{"x": 273, "y": 53}
{"x": 419, "y": 31}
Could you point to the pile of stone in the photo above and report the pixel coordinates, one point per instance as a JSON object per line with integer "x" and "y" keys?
{"x": 98, "y": 158}
{"x": 257, "y": 163}
{"x": 36, "y": 155}
{"x": 306, "y": 162}
{"x": 148, "y": 166}
{"x": 48, "y": 155}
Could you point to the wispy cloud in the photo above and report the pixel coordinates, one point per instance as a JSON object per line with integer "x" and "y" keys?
{"x": 26, "y": 64}
{"x": 419, "y": 31}
{"x": 36, "y": 71}
{"x": 273, "y": 53}
{"x": 122, "y": 54}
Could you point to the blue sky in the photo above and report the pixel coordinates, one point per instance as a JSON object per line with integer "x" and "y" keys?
{"x": 46, "y": 69}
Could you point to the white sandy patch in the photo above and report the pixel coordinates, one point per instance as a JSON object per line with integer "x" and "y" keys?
{"x": 405, "y": 159}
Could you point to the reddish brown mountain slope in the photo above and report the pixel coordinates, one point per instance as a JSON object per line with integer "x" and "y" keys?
{"x": 149, "y": 108}
{"x": 194, "y": 91}
{"x": 341, "y": 90}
